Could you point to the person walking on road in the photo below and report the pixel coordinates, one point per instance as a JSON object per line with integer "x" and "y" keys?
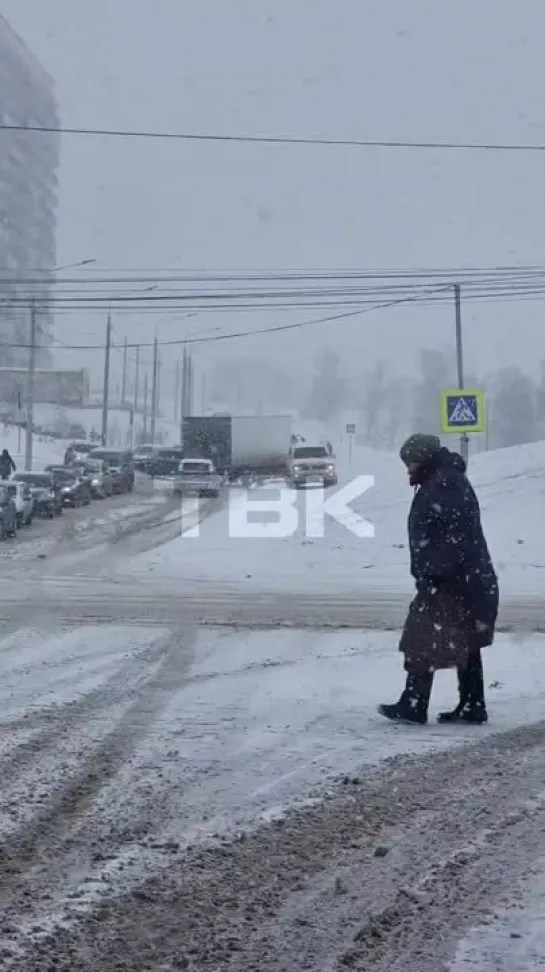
{"x": 7, "y": 465}
{"x": 454, "y": 612}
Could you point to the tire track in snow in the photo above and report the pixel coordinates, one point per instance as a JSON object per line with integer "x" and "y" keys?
{"x": 83, "y": 600}
{"x": 354, "y": 883}
{"x": 60, "y": 839}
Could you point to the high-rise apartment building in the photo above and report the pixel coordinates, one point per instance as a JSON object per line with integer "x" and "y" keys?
{"x": 28, "y": 195}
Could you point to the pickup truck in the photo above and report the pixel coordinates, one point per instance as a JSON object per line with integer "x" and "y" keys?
{"x": 197, "y": 477}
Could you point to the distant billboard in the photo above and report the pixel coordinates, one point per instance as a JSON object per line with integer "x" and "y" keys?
{"x": 50, "y": 387}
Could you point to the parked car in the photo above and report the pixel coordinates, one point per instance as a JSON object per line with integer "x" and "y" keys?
{"x": 8, "y": 515}
{"x": 120, "y": 465}
{"x": 143, "y": 455}
{"x": 74, "y": 490}
{"x": 45, "y": 492}
{"x": 24, "y": 504}
{"x": 166, "y": 461}
{"x": 97, "y": 474}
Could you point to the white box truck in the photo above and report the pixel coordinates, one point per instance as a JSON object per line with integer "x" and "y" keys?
{"x": 240, "y": 445}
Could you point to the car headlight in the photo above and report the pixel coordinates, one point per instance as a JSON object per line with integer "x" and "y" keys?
{"x": 66, "y": 489}
{"x": 95, "y": 482}
{"x": 331, "y": 467}
{"x": 297, "y": 468}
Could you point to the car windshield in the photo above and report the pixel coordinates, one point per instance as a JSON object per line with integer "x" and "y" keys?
{"x": 195, "y": 467}
{"x": 113, "y": 458}
{"x": 66, "y": 475}
{"x": 82, "y": 446}
{"x": 170, "y": 453}
{"x": 12, "y": 489}
{"x": 4, "y": 496}
{"x": 33, "y": 479}
{"x": 310, "y": 452}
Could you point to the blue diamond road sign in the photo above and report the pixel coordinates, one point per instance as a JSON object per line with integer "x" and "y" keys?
{"x": 462, "y": 410}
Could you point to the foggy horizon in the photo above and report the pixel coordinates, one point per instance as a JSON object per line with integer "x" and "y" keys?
{"x": 359, "y": 71}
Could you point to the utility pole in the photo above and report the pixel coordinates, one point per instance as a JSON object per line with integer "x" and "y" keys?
{"x": 177, "y": 389}
{"x": 464, "y": 438}
{"x": 124, "y": 378}
{"x": 106, "y": 386}
{"x": 183, "y": 394}
{"x": 189, "y": 385}
{"x": 154, "y": 391}
{"x": 30, "y": 388}
{"x": 145, "y": 419}
{"x": 137, "y": 379}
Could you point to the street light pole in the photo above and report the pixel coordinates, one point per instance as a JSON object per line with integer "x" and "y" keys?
{"x": 30, "y": 388}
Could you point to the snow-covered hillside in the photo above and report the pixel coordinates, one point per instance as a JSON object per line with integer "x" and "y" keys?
{"x": 44, "y": 450}
{"x": 510, "y": 484}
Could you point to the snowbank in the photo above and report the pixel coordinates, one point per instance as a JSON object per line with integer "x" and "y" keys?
{"x": 511, "y": 488}
{"x": 45, "y": 451}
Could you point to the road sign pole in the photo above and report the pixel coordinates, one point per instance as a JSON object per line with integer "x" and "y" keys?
{"x": 464, "y": 438}
{"x": 350, "y": 431}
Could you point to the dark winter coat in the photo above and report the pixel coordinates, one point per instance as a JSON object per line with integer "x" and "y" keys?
{"x": 456, "y": 604}
{"x": 7, "y": 465}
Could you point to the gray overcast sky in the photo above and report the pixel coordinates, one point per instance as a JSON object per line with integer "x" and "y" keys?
{"x": 391, "y": 69}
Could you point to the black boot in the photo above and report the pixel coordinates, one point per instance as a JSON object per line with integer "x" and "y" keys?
{"x": 471, "y": 707}
{"x": 413, "y": 704}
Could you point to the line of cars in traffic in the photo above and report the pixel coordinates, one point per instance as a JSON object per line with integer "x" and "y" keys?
{"x": 89, "y": 473}
{"x": 195, "y": 477}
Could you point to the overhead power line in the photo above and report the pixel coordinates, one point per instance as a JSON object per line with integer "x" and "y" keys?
{"x": 322, "y": 293}
{"x": 284, "y": 139}
{"x": 230, "y": 336}
{"x": 158, "y": 279}
{"x": 200, "y": 274}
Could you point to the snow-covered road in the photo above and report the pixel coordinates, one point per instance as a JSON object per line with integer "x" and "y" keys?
{"x": 193, "y": 774}
{"x": 83, "y": 597}
{"x": 122, "y": 747}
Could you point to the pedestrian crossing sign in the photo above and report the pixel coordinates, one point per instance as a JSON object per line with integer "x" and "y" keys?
{"x": 462, "y": 410}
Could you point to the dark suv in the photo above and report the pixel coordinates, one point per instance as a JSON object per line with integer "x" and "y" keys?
{"x": 121, "y": 466}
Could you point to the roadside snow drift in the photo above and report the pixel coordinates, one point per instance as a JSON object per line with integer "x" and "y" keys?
{"x": 318, "y": 552}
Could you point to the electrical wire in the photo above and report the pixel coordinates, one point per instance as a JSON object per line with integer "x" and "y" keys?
{"x": 282, "y": 139}
{"x": 159, "y": 278}
{"x": 239, "y": 334}
{"x": 277, "y": 299}
{"x": 500, "y": 287}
